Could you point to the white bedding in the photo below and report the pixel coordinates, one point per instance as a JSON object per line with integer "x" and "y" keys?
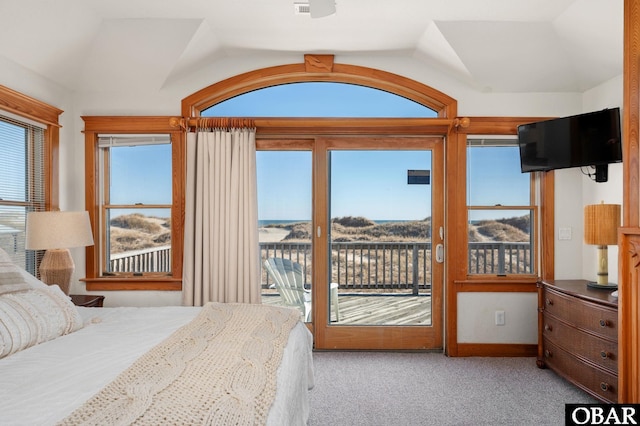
{"x": 43, "y": 384}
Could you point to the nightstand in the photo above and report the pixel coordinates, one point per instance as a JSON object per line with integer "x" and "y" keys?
{"x": 87, "y": 300}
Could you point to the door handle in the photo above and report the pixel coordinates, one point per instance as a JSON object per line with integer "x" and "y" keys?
{"x": 439, "y": 253}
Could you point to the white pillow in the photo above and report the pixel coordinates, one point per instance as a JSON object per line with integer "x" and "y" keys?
{"x": 34, "y": 316}
{"x": 11, "y": 278}
{"x": 32, "y": 281}
{"x": 31, "y": 313}
{"x": 8, "y": 271}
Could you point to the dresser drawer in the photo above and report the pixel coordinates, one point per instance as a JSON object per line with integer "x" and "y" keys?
{"x": 601, "y": 352}
{"x": 584, "y": 315}
{"x": 599, "y": 383}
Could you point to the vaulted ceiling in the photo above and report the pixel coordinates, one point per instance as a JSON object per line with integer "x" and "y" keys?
{"x": 490, "y": 45}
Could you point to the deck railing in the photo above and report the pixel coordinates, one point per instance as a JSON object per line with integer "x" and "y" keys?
{"x": 371, "y": 266}
{"x": 154, "y": 259}
{"x": 360, "y": 265}
{"x": 499, "y": 258}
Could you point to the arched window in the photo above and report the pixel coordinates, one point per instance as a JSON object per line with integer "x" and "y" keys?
{"x": 320, "y": 99}
{"x": 319, "y": 69}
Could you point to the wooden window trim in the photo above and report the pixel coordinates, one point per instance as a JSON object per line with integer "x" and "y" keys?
{"x": 457, "y": 279}
{"x": 24, "y": 106}
{"x": 325, "y": 70}
{"x": 534, "y": 208}
{"x": 544, "y": 211}
{"x": 277, "y": 128}
{"x": 95, "y": 125}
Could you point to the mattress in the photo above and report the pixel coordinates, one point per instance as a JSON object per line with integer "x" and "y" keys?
{"x": 45, "y": 383}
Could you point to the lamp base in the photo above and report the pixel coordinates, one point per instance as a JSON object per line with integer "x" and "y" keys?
{"x": 606, "y": 286}
{"x": 56, "y": 268}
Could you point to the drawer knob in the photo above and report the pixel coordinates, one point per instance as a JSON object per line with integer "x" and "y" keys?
{"x": 604, "y": 323}
{"x": 549, "y": 302}
{"x": 547, "y": 353}
{"x": 548, "y": 327}
{"x": 605, "y": 354}
{"x": 604, "y": 386}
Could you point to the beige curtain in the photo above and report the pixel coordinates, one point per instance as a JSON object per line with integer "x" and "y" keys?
{"x": 221, "y": 259}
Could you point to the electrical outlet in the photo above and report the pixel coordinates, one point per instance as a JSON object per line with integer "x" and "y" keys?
{"x": 499, "y": 317}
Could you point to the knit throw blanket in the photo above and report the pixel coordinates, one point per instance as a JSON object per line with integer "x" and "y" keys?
{"x": 219, "y": 369}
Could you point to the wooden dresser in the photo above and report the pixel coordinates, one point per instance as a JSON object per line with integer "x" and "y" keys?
{"x": 578, "y": 335}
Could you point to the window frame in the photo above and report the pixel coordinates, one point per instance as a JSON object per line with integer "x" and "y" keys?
{"x": 448, "y": 123}
{"x": 99, "y": 125}
{"x": 532, "y": 208}
{"x": 105, "y": 160}
{"x": 545, "y": 223}
{"x": 18, "y": 106}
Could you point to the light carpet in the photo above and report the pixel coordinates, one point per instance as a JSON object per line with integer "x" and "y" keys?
{"x": 409, "y": 388}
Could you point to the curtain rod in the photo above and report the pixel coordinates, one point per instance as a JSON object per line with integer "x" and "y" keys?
{"x": 186, "y": 123}
{"x": 211, "y": 122}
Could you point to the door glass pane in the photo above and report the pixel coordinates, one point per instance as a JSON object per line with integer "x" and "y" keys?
{"x": 284, "y": 221}
{"x": 380, "y": 238}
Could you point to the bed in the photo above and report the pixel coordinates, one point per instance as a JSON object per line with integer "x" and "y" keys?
{"x": 91, "y": 354}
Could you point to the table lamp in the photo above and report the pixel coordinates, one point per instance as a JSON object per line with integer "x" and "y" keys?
{"x": 57, "y": 232}
{"x": 601, "y": 223}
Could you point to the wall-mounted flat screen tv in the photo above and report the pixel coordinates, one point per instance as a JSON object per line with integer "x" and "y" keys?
{"x": 591, "y": 139}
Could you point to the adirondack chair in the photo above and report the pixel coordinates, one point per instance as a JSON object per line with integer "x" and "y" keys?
{"x": 288, "y": 278}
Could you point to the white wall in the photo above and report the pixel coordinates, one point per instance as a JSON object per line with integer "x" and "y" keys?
{"x": 573, "y": 258}
{"x": 607, "y": 95}
{"x": 520, "y": 318}
{"x": 33, "y": 85}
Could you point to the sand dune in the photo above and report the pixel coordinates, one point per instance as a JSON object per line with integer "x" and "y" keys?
{"x": 272, "y": 235}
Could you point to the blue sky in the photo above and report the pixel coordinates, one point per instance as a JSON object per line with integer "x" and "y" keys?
{"x": 318, "y": 100}
{"x": 365, "y": 183}
{"x": 141, "y": 174}
{"x": 154, "y": 188}
{"x": 494, "y": 177}
{"x": 372, "y": 184}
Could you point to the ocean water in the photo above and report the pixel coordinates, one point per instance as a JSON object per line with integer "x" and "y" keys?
{"x": 287, "y": 221}
{"x": 279, "y": 222}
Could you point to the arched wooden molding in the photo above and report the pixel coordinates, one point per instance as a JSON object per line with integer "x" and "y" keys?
{"x": 318, "y": 63}
{"x": 319, "y": 68}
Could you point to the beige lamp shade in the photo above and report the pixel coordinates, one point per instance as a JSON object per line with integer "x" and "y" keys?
{"x": 56, "y": 230}
{"x": 601, "y": 223}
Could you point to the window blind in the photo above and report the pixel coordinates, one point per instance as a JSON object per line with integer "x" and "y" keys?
{"x": 492, "y": 141}
{"x": 111, "y": 141}
{"x": 22, "y": 185}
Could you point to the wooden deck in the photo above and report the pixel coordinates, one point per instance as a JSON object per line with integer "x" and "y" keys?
{"x": 376, "y": 309}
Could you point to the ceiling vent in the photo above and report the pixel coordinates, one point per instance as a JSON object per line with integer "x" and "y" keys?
{"x": 315, "y": 8}
{"x": 302, "y": 8}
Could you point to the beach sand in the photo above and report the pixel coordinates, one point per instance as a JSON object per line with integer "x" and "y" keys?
{"x": 272, "y": 235}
